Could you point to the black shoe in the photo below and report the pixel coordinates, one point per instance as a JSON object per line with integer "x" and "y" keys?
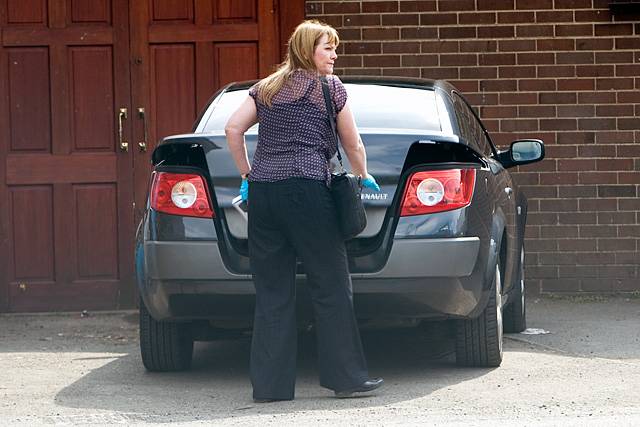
{"x": 365, "y": 387}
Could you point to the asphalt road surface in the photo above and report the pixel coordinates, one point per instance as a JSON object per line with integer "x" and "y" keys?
{"x": 69, "y": 369}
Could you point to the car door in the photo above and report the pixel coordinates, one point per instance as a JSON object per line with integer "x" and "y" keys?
{"x": 502, "y": 189}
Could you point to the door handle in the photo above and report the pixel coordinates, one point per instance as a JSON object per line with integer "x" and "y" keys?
{"x": 143, "y": 144}
{"x": 122, "y": 115}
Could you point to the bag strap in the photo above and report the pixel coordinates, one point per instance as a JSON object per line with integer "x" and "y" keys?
{"x": 332, "y": 120}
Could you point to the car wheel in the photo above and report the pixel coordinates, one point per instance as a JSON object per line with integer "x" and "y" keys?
{"x": 165, "y": 346}
{"x": 479, "y": 340}
{"x": 515, "y": 314}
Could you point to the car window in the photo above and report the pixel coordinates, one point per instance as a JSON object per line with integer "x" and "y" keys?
{"x": 373, "y": 106}
{"x": 470, "y": 128}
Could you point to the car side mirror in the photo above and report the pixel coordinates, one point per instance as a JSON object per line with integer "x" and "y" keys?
{"x": 522, "y": 152}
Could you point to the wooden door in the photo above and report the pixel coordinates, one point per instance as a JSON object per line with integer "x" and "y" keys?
{"x": 66, "y": 187}
{"x": 183, "y": 51}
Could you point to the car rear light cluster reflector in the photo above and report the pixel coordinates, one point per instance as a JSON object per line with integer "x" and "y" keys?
{"x": 438, "y": 191}
{"x": 180, "y": 194}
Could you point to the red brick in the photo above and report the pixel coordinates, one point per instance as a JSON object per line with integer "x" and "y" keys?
{"x": 403, "y": 47}
{"x": 556, "y": 71}
{"x": 596, "y": 124}
{"x": 594, "y": 70}
{"x": 596, "y": 204}
{"x": 614, "y": 137}
{"x": 594, "y": 44}
{"x": 628, "y": 97}
{"x": 614, "y": 110}
{"x": 517, "y": 72}
{"x": 436, "y": 73}
{"x": 575, "y": 111}
{"x": 558, "y": 178}
{"x": 631, "y": 231}
{"x": 363, "y": 72}
{"x": 614, "y": 57}
{"x": 479, "y": 46}
{"x": 628, "y": 70}
{"x": 379, "y": 6}
{"x": 628, "y": 177}
{"x": 496, "y": 32}
{"x": 418, "y": 6}
{"x": 603, "y": 30}
{"x": 440, "y": 46}
{"x": 596, "y": 177}
{"x": 467, "y": 86}
{"x": 576, "y": 138}
{"x": 498, "y": 112}
{"x": 616, "y": 218}
{"x": 419, "y": 60}
{"x": 534, "y": 31}
{"x": 558, "y": 124}
{"x": 592, "y": 16}
{"x": 596, "y": 151}
{"x": 596, "y": 97}
{"x": 580, "y": 30}
{"x": 418, "y": 33}
{"x": 627, "y": 43}
{"x": 536, "y": 85}
{"x": 573, "y": 4}
{"x": 555, "y": 44}
{"x": 629, "y": 204}
{"x": 461, "y": 59}
{"x": 381, "y": 61}
{"x": 614, "y": 84}
{"x": 578, "y": 191}
{"x": 576, "y": 84}
{"x": 555, "y": 16}
{"x": 350, "y": 34}
{"x": 497, "y": 59}
{"x": 536, "y": 111}
{"x": 614, "y": 245}
{"x": 482, "y": 98}
{"x": 628, "y": 150}
{"x": 557, "y": 98}
{"x": 598, "y": 231}
{"x": 501, "y": 85}
{"x": 400, "y": 19}
{"x": 457, "y": 32}
{"x": 614, "y": 164}
{"x": 511, "y": 125}
{"x": 516, "y": 45}
{"x": 438, "y": 19}
{"x": 535, "y": 58}
{"x": 456, "y": 5}
{"x": 625, "y": 123}
{"x": 361, "y": 20}
{"x": 341, "y": 8}
{"x": 618, "y": 271}
{"x": 349, "y": 61}
{"x": 539, "y": 4}
{"x": 313, "y": 8}
{"x": 495, "y": 4}
{"x": 401, "y": 72}
{"x": 574, "y": 58}
{"x": 617, "y": 191}
{"x": 559, "y": 285}
{"x": 579, "y": 271}
{"x": 363, "y": 48}
{"x": 518, "y": 98}
{"x": 477, "y": 18}
{"x": 380, "y": 33}
{"x": 516, "y": 17}
{"x": 569, "y": 165}
{"x": 479, "y": 73}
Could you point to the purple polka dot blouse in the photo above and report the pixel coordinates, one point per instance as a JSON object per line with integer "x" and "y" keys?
{"x": 294, "y": 137}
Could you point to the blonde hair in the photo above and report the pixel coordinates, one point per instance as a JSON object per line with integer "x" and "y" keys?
{"x": 300, "y": 50}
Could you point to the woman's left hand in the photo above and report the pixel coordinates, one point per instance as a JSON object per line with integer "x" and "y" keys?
{"x": 370, "y": 182}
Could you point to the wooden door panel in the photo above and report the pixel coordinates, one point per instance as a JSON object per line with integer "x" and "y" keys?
{"x": 26, "y": 12}
{"x": 69, "y": 185}
{"x": 31, "y": 209}
{"x": 235, "y": 62}
{"x": 176, "y": 10}
{"x": 91, "y": 77}
{"x": 97, "y": 241}
{"x": 29, "y": 102}
{"x": 174, "y": 88}
{"x": 94, "y": 11}
{"x": 236, "y": 10}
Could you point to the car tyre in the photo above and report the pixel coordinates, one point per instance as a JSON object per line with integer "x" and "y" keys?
{"x": 164, "y": 346}
{"x": 515, "y": 314}
{"x": 479, "y": 340}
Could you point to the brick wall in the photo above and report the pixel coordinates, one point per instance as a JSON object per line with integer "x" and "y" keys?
{"x": 565, "y": 71}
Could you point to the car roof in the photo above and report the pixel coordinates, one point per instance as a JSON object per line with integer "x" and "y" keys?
{"x": 409, "y": 82}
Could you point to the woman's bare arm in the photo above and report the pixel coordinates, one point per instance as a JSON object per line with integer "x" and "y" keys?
{"x": 240, "y": 121}
{"x": 350, "y": 141}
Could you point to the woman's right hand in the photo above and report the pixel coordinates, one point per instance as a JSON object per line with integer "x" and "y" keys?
{"x": 244, "y": 189}
{"x": 370, "y": 182}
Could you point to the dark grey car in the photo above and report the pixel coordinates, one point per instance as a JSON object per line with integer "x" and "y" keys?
{"x": 444, "y": 239}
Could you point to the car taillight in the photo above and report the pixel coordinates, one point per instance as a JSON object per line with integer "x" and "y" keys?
{"x": 438, "y": 191}
{"x": 180, "y": 194}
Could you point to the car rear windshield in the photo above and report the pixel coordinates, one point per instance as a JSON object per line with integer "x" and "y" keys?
{"x": 377, "y": 108}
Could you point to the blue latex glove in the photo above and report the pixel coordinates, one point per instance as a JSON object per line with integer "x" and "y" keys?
{"x": 244, "y": 189}
{"x": 370, "y": 182}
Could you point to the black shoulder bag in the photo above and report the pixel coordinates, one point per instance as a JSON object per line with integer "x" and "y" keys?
{"x": 345, "y": 187}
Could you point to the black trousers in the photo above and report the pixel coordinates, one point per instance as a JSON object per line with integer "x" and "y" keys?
{"x": 289, "y": 219}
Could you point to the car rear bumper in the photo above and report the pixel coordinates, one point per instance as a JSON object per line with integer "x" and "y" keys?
{"x": 419, "y": 279}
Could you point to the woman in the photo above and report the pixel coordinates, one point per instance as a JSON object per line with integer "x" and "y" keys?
{"x": 292, "y": 215}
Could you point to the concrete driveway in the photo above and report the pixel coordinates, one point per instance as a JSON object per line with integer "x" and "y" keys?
{"x": 68, "y": 369}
